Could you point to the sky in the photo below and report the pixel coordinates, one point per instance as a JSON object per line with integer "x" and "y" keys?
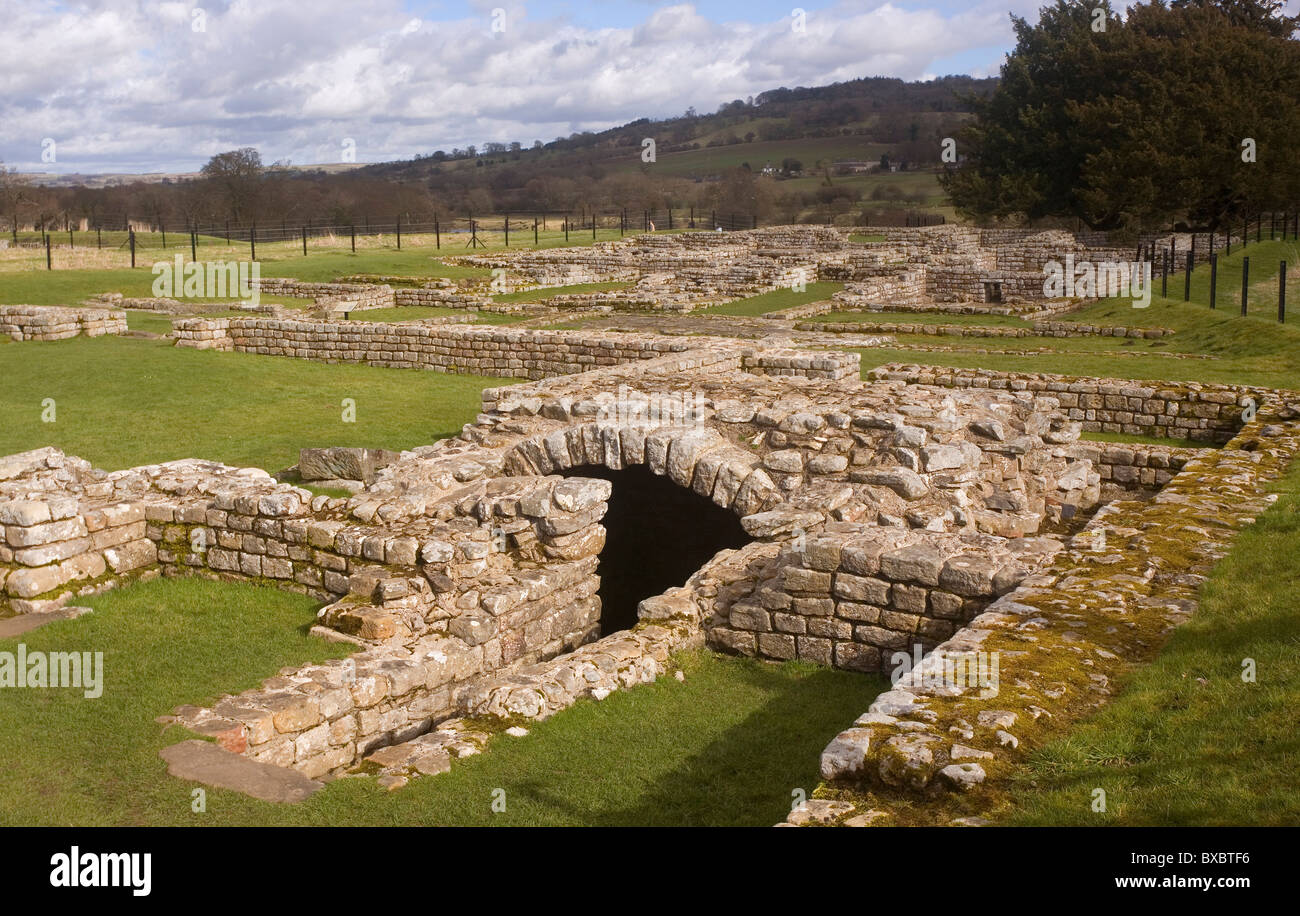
{"x": 134, "y": 86}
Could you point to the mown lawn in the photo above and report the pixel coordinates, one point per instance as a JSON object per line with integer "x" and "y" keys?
{"x": 1006, "y": 321}
{"x": 410, "y": 313}
{"x": 546, "y": 292}
{"x": 1251, "y": 350}
{"x": 123, "y": 402}
{"x": 728, "y": 745}
{"x": 1132, "y": 439}
{"x": 1188, "y": 741}
{"x": 775, "y": 300}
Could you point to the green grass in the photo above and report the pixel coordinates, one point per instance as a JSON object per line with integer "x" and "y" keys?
{"x": 410, "y": 313}
{"x": 726, "y": 746}
{"x": 541, "y": 295}
{"x": 775, "y": 300}
{"x": 1187, "y": 741}
{"x": 92, "y": 762}
{"x": 324, "y": 266}
{"x": 69, "y": 287}
{"x": 1251, "y": 350}
{"x": 122, "y": 402}
{"x": 149, "y": 322}
{"x": 1134, "y": 439}
{"x": 1001, "y": 321}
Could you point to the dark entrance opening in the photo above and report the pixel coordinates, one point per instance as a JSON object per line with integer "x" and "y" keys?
{"x": 992, "y": 291}
{"x": 657, "y": 534}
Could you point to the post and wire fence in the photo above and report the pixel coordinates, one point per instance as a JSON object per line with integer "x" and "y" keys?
{"x": 125, "y": 241}
{"x": 138, "y": 242}
{"x": 1215, "y": 250}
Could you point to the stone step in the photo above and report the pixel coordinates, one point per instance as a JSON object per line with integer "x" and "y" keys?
{"x": 207, "y": 763}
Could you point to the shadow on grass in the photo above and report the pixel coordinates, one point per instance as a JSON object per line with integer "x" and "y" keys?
{"x": 747, "y": 774}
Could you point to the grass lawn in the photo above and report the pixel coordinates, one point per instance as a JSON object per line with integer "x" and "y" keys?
{"x": 726, "y": 746}
{"x": 410, "y": 313}
{"x": 1188, "y": 741}
{"x": 546, "y": 292}
{"x": 122, "y": 402}
{"x": 70, "y": 287}
{"x": 774, "y": 301}
{"x": 1253, "y": 350}
{"x": 327, "y": 257}
{"x": 1002, "y": 321}
{"x": 1129, "y": 438}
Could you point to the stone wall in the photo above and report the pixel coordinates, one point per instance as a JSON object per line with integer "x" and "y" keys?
{"x": 1181, "y": 410}
{"x": 48, "y": 322}
{"x": 55, "y": 542}
{"x": 854, "y": 594}
{"x": 1136, "y": 466}
{"x": 331, "y": 297}
{"x": 519, "y": 352}
{"x": 927, "y": 750}
{"x": 1038, "y": 329}
{"x": 503, "y": 574}
{"x": 442, "y": 298}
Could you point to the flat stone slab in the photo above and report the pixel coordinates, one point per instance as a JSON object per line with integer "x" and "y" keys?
{"x": 212, "y": 765}
{"x": 25, "y": 623}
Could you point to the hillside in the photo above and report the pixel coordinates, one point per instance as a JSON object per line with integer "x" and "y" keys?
{"x": 860, "y": 152}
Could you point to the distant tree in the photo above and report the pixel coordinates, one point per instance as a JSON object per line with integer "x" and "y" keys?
{"x": 15, "y": 194}
{"x": 235, "y": 175}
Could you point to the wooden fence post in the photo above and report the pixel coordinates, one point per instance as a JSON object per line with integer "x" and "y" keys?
{"x": 1245, "y": 283}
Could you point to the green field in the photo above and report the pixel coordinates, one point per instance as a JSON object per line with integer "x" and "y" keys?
{"x": 775, "y": 300}
{"x": 727, "y": 746}
{"x": 712, "y": 160}
{"x": 120, "y": 403}
{"x": 546, "y": 292}
{"x": 985, "y": 321}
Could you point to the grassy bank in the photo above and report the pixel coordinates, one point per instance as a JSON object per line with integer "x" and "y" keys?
{"x": 1188, "y": 741}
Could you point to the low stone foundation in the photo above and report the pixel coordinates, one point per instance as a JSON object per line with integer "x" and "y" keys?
{"x": 519, "y": 352}
{"x": 1039, "y": 329}
{"x": 49, "y": 322}
{"x": 1184, "y": 410}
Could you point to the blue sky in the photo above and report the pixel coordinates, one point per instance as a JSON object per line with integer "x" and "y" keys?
{"x": 136, "y": 86}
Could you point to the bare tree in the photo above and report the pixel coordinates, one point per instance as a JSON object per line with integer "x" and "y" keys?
{"x": 236, "y": 175}
{"x": 15, "y": 194}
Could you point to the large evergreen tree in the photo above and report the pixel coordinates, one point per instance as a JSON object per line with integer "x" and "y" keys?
{"x": 1140, "y": 123}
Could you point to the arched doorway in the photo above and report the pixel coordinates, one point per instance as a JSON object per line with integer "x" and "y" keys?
{"x": 657, "y": 535}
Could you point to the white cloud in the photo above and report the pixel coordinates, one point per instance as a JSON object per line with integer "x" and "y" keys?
{"x": 125, "y": 88}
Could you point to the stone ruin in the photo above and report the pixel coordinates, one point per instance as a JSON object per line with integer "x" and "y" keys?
{"x": 485, "y": 579}
{"x": 989, "y": 271}
{"x": 855, "y": 520}
{"x": 49, "y": 322}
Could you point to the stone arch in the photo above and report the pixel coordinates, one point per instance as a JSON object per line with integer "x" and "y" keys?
{"x": 696, "y": 457}
{"x": 657, "y": 535}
